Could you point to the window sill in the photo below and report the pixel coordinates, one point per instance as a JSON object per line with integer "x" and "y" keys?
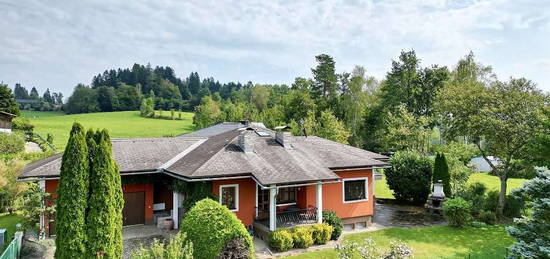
{"x": 355, "y": 201}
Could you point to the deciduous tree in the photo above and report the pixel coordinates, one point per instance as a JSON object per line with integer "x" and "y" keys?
{"x": 501, "y": 119}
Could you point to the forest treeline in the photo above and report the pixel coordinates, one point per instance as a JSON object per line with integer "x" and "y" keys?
{"x": 124, "y": 89}
{"x": 32, "y": 100}
{"x": 397, "y": 112}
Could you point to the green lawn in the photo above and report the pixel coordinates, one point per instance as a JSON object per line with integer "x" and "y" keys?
{"x": 492, "y": 182}
{"x": 119, "y": 124}
{"x": 8, "y": 222}
{"x": 435, "y": 242}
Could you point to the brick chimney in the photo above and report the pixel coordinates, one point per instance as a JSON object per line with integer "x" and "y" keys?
{"x": 246, "y": 140}
{"x": 283, "y": 136}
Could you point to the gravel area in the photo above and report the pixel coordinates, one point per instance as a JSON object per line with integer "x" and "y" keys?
{"x": 132, "y": 244}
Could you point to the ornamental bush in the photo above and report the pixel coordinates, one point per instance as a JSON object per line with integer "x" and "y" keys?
{"x": 410, "y": 177}
{"x": 302, "y": 237}
{"x": 321, "y": 233}
{"x": 441, "y": 173}
{"x": 457, "y": 212}
{"x": 488, "y": 217}
{"x": 11, "y": 144}
{"x": 178, "y": 248}
{"x": 210, "y": 226}
{"x": 330, "y": 218}
{"x": 281, "y": 240}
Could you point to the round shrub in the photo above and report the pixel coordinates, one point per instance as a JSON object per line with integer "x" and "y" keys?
{"x": 457, "y": 212}
{"x": 11, "y": 143}
{"x": 330, "y": 218}
{"x": 281, "y": 240}
{"x": 487, "y": 217}
{"x": 302, "y": 237}
{"x": 410, "y": 177}
{"x": 211, "y": 226}
{"x": 321, "y": 233}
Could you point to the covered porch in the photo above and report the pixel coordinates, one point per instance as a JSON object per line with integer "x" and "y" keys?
{"x": 287, "y": 206}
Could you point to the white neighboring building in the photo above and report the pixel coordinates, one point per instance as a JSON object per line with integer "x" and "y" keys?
{"x": 479, "y": 164}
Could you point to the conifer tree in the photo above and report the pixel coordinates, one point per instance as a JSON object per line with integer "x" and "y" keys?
{"x": 441, "y": 173}
{"x": 72, "y": 197}
{"x": 105, "y": 204}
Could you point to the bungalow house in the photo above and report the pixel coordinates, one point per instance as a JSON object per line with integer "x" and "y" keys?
{"x": 270, "y": 179}
{"x": 5, "y": 121}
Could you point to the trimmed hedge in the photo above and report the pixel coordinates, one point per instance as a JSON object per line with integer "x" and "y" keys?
{"x": 330, "y": 218}
{"x": 281, "y": 240}
{"x": 321, "y": 233}
{"x": 410, "y": 177}
{"x": 211, "y": 226}
{"x": 302, "y": 237}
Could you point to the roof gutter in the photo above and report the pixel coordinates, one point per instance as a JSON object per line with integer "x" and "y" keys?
{"x": 262, "y": 186}
{"x": 360, "y": 168}
{"x": 137, "y": 172}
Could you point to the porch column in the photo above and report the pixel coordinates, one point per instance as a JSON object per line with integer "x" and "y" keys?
{"x": 175, "y": 209}
{"x": 272, "y": 207}
{"x": 42, "y": 185}
{"x": 319, "y": 201}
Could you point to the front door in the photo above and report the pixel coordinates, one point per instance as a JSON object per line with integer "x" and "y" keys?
{"x": 134, "y": 208}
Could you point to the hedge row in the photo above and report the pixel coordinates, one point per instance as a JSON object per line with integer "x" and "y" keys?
{"x": 300, "y": 237}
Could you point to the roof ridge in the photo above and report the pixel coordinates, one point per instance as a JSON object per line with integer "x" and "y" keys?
{"x": 217, "y": 152}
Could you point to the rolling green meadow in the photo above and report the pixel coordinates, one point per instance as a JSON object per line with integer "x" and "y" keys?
{"x": 124, "y": 124}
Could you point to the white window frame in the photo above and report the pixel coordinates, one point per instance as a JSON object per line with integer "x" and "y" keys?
{"x": 236, "y": 186}
{"x": 355, "y": 179}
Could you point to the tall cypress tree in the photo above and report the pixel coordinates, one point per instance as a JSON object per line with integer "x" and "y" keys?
{"x": 105, "y": 204}
{"x": 441, "y": 172}
{"x": 72, "y": 197}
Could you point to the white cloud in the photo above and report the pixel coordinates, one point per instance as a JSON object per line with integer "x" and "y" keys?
{"x": 58, "y": 44}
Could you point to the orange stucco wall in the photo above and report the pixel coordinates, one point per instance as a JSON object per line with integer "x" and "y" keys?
{"x": 333, "y": 197}
{"x": 247, "y": 198}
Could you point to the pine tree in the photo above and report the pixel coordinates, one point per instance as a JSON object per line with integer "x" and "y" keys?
{"x": 105, "y": 204}
{"x": 531, "y": 231}
{"x": 72, "y": 197}
{"x": 7, "y": 100}
{"x": 441, "y": 172}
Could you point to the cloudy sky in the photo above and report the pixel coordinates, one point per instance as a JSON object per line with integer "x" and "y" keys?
{"x": 57, "y": 44}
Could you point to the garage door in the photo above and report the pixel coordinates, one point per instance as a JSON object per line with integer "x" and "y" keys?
{"x": 134, "y": 208}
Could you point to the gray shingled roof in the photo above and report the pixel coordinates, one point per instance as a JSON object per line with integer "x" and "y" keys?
{"x": 131, "y": 155}
{"x": 218, "y": 155}
{"x": 309, "y": 159}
